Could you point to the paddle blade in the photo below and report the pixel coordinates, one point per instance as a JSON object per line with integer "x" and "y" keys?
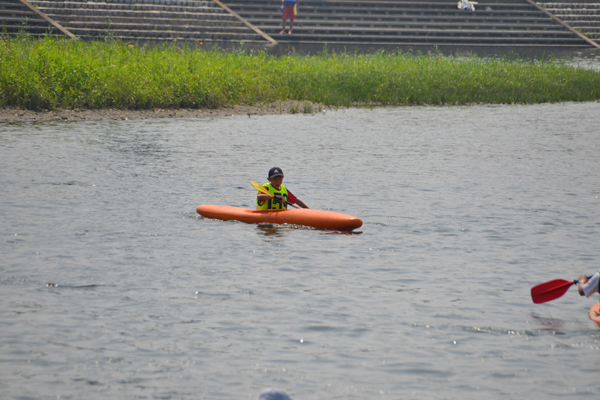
{"x": 550, "y": 290}
{"x": 261, "y": 188}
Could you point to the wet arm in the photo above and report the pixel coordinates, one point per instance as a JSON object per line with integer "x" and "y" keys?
{"x": 262, "y": 197}
{"x": 301, "y": 203}
{"x": 582, "y": 281}
{"x": 588, "y": 284}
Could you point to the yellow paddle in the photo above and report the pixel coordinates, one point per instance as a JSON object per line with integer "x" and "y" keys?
{"x": 262, "y": 189}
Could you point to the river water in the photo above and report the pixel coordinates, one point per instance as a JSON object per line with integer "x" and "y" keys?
{"x": 464, "y": 210}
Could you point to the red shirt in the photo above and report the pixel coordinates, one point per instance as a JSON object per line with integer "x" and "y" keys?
{"x": 291, "y": 198}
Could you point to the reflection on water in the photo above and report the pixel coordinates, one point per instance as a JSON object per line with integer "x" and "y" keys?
{"x": 548, "y": 324}
{"x": 280, "y": 230}
{"x": 272, "y": 229}
{"x": 589, "y": 59}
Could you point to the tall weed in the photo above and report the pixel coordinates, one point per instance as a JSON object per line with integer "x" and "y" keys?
{"x": 54, "y": 73}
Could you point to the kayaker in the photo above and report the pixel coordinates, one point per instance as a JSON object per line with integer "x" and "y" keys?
{"x": 589, "y": 286}
{"x": 282, "y": 194}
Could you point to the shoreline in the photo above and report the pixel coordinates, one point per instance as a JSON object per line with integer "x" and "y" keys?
{"x": 14, "y": 114}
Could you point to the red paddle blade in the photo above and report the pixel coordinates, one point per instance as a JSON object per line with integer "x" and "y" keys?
{"x": 550, "y": 290}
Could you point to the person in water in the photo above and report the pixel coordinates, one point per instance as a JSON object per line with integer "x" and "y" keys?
{"x": 282, "y": 194}
{"x": 589, "y": 285}
{"x": 274, "y": 394}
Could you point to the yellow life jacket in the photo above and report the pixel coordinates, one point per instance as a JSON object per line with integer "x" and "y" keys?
{"x": 270, "y": 204}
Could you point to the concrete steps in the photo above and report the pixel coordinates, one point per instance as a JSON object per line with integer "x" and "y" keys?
{"x": 428, "y": 22}
{"x": 583, "y": 16}
{"x": 16, "y": 17}
{"x": 148, "y": 20}
{"x": 495, "y": 23}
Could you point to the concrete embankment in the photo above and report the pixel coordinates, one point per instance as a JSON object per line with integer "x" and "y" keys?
{"x": 510, "y": 25}
{"x": 582, "y": 15}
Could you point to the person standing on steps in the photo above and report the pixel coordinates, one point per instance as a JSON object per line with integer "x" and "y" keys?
{"x": 289, "y": 9}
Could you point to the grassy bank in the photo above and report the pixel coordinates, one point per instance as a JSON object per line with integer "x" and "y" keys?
{"x": 54, "y": 73}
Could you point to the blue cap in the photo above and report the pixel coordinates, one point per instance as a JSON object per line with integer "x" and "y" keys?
{"x": 275, "y": 171}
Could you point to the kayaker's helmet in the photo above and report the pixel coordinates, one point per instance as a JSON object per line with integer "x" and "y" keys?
{"x": 275, "y": 171}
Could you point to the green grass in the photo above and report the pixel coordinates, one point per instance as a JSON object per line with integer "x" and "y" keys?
{"x": 55, "y": 73}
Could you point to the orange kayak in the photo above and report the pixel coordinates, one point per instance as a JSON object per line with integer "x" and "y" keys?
{"x": 596, "y": 318}
{"x": 297, "y": 216}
